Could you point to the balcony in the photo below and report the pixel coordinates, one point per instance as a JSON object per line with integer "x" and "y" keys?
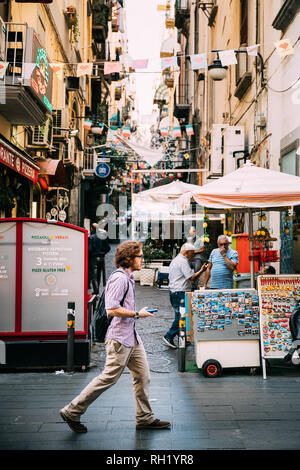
{"x": 182, "y": 14}
{"x": 286, "y": 14}
{"x": 89, "y": 162}
{"x": 181, "y": 103}
{"x": 28, "y": 77}
{"x": 100, "y": 21}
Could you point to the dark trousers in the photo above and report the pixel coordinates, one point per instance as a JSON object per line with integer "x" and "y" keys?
{"x": 96, "y": 268}
{"x": 195, "y": 264}
{"x": 175, "y": 298}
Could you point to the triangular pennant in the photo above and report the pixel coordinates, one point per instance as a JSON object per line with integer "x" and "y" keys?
{"x": 284, "y": 47}
{"x": 168, "y": 62}
{"x": 227, "y": 57}
{"x": 58, "y": 70}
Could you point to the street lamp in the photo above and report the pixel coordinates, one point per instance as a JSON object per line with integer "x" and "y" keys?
{"x": 217, "y": 71}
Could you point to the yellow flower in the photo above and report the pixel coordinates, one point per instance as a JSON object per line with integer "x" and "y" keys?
{"x": 205, "y": 225}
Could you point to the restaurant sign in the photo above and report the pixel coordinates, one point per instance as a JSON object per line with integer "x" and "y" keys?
{"x": 16, "y": 162}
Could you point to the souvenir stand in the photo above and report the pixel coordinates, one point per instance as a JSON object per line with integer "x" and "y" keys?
{"x": 226, "y": 329}
{"x": 278, "y": 296}
{"x": 249, "y": 189}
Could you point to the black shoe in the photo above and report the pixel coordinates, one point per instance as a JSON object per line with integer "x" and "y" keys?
{"x": 169, "y": 342}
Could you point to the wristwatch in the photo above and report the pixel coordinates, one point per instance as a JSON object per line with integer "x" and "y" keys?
{"x": 136, "y": 316}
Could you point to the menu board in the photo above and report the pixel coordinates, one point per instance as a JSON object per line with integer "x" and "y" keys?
{"x": 7, "y": 275}
{"x": 278, "y": 297}
{"x": 53, "y": 274}
{"x": 225, "y": 314}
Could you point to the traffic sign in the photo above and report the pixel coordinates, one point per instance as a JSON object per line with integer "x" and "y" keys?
{"x": 102, "y": 170}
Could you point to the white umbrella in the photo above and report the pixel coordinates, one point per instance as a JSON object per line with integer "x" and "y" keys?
{"x": 167, "y": 192}
{"x": 250, "y": 187}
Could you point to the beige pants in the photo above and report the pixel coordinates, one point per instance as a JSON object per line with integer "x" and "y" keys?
{"x": 118, "y": 357}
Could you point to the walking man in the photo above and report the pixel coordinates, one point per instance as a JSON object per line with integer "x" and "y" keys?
{"x": 221, "y": 264}
{"x": 98, "y": 247}
{"x": 181, "y": 277}
{"x": 124, "y": 347}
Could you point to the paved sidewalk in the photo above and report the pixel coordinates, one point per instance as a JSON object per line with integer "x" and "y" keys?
{"x": 236, "y": 411}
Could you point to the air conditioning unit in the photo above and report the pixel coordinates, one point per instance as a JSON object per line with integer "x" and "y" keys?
{"x": 68, "y": 156}
{"x": 2, "y": 39}
{"x": 59, "y": 122}
{"x": 42, "y": 135}
{"x": 234, "y": 142}
{"x": 216, "y": 141}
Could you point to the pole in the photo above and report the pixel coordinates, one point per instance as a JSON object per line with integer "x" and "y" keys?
{"x": 182, "y": 338}
{"x": 71, "y": 336}
{"x": 252, "y": 279}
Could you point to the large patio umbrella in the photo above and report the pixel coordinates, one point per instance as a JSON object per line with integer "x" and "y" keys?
{"x": 250, "y": 188}
{"x": 168, "y": 192}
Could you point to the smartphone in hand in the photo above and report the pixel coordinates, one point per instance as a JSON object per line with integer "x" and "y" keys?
{"x": 152, "y": 310}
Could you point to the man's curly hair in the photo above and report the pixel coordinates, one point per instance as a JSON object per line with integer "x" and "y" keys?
{"x": 126, "y": 253}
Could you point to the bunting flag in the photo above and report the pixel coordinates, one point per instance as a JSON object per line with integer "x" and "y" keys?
{"x": 189, "y": 129}
{"x": 198, "y": 61}
{"x": 28, "y": 69}
{"x": 227, "y": 57}
{"x": 253, "y": 50}
{"x": 168, "y": 62}
{"x": 168, "y": 47}
{"x": 164, "y": 131}
{"x": 176, "y": 132}
{"x": 84, "y": 69}
{"x": 3, "y": 67}
{"x": 58, "y": 70}
{"x": 126, "y": 132}
{"x": 284, "y": 47}
{"x": 87, "y": 124}
{"x": 112, "y": 67}
{"x": 140, "y": 64}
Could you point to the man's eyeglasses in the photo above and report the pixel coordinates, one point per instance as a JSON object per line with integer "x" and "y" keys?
{"x": 223, "y": 244}
{"x": 139, "y": 256}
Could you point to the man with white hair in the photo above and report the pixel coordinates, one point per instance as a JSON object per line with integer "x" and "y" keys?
{"x": 181, "y": 277}
{"x": 221, "y": 264}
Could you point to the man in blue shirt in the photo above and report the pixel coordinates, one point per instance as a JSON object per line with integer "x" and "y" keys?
{"x": 221, "y": 264}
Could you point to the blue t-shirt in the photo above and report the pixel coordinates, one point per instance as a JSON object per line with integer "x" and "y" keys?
{"x": 221, "y": 275}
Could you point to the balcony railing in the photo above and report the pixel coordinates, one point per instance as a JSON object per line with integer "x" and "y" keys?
{"x": 89, "y": 160}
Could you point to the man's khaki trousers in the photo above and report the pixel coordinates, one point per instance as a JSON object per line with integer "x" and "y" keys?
{"x": 118, "y": 357}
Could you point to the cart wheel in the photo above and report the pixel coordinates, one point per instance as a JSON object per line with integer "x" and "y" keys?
{"x": 212, "y": 368}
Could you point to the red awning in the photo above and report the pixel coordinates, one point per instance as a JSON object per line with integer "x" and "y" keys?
{"x": 17, "y": 160}
{"x": 55, "y": 169}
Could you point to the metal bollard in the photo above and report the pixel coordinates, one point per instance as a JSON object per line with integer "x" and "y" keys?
{"x": 182, "y": 338}
{"x": 71, "y": 336}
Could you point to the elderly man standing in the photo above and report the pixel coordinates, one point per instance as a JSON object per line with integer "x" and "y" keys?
{"x": 221, "y": 264}
{"x": 181, "y": 277}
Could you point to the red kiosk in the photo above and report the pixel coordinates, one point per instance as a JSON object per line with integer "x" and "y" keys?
{"x": 43, "y": 267}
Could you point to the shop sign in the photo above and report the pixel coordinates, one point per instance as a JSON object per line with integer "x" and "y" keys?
{"x": 13, "y": 161}
{"x": 41, "y": 77}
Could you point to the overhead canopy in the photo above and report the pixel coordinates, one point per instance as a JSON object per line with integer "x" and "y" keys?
{"x": 55, "y": 169}
{"x": 168, "y": 192}
{"x": 250, "y": 187}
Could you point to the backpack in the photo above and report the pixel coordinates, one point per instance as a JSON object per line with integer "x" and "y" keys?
{"x": 101, "y": 322}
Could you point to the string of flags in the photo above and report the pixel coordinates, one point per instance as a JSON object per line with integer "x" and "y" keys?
{"x": 198, "y": 61}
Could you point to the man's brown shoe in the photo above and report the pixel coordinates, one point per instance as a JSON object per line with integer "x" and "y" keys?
{"x": 76, "y": 426}
{"x": 157, "y": 424}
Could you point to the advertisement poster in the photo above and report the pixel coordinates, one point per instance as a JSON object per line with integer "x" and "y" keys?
{"x": 53, "y": 274}
{"x": 7, "y": 275}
